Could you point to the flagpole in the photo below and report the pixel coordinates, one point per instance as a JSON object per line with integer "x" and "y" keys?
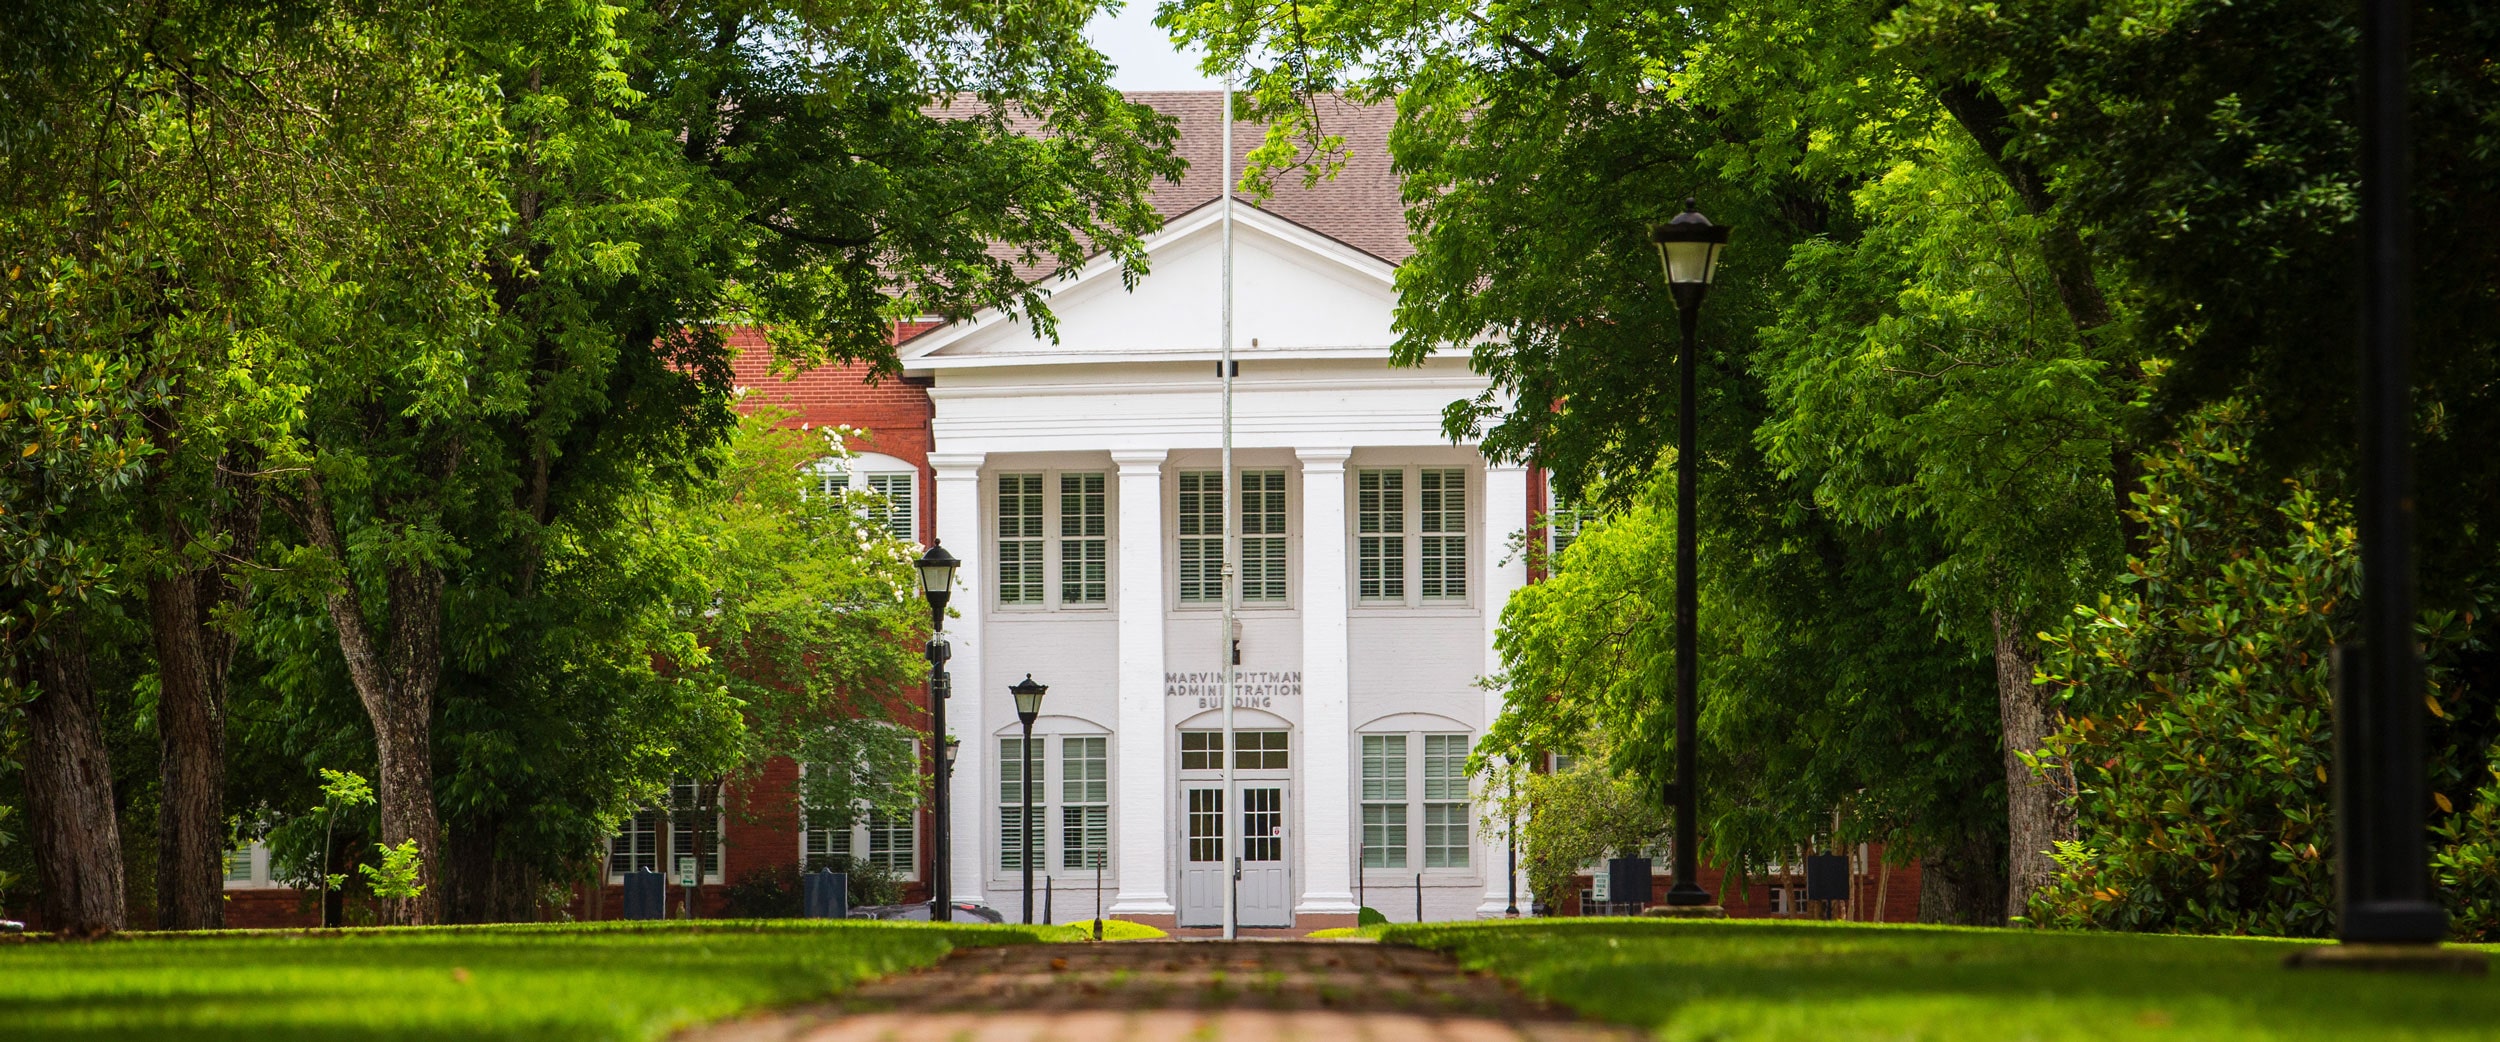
{"x": 1230, "y": 482}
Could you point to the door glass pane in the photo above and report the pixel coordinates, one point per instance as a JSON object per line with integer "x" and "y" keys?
{"x": 1206, "y": 825}
{"x": 1262, "y": 824}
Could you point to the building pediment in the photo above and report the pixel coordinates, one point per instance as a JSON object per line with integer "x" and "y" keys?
{"x": 1296, "y": 294}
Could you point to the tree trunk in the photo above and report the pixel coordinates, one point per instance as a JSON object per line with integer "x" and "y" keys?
{"x": 2037, "y": 813}
{"x": 193, "y": 658}
{"x": 69, "y": 791}
{"x": 486, "y": 888}
{"x": 396, "y": 683}
{"x": 1964, "y": 884}
{"x": 191, "y": 735}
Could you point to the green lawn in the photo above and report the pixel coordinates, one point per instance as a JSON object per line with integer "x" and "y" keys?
{"x": 1831, "y": 982}
{"x": 594, "y": 981}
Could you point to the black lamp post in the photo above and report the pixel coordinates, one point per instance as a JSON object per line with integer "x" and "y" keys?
{"x": 1688, "y": 252}
{"x": 1028, "y": 705}
{"x": 937, "y": 583}
{"x": 1511, "y": 760}
{"x": 2382, "y": 872}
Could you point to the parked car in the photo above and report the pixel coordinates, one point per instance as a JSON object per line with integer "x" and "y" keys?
{"x": 965, "y": 912}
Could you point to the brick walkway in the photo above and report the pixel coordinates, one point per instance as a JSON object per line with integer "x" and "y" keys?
{"x": 1192, "y": 991}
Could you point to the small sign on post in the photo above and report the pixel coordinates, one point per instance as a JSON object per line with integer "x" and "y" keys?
{"x": 686, "y": 880}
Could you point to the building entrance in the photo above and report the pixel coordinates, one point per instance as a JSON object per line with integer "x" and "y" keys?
{"x": 1241, "y": 838}
{"x": 1256, "y": 814}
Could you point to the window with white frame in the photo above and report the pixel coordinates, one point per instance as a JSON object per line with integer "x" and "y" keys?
{"x": 1084, "y": 539}
{"x": 1446, "y": 804}
{"x": 1080, "y": 803}
{"x": 1202, "y": 537}
{"x": 1410, "y": 521}
{"x": 1380, "y": 535}
{"x": 1435, "y": 795}
{"x": 1054, "y": 515}
{"x": 1252, "y": 750}
{"x": 654, "y": 838}
{"x": 1020, "y": 539}
{"x": 892, "y": 486}
{"x": 1384, "y": 801}
{"x": 889, "y": 841}
{"x": 1562, "y": 520}
{"x": 894, "y": 843}
{"x": 1441, "y": 518}
{"x": 1263, "y": 537}
{"x": 248, "y": 866}
{"x": 1013, "y": 831}
{"x": 1084, "y": 801}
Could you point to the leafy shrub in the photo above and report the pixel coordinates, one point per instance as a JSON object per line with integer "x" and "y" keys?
{"x": 771, "y": 892}
{"x": 2198, "y": 720}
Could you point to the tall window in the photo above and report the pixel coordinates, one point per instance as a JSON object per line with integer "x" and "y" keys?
{"x": 1443, "y": 521}
{"x": 1384, "y": 801}
{"x": 891, "y": 484}
{"x": 654, "y": 838}
{"x": 1410, "y": 522}
{"x": 1380, "y": 534}
{"x": 1446, "y": 806}
{"x": 1012, "y": 828}
{"x": 1036, "y": 526}
{"x": 1262, "y": 536}
{"x": 1562, "y": 520}
{"x": 1085, "y": 801}
{"x": 1202, "y": 536}
{"x": 636, "y": 846}
{"x": 1081, "y": 803}
{"x": 894, "y": 842}
{"x": 1263, "y": 565}
{"x": 694, "y": 826}
{"x": 888, "y": 841}
{"x": 1020, "y": 539}
{"x": 1084, "y": 557}
{"x": 892, "y": 510}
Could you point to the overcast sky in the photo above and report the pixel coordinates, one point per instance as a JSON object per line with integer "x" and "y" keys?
{"x": 1143, "y": 53}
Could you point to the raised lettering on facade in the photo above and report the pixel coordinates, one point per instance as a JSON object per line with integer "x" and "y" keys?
{"x": 1252, "y": 688}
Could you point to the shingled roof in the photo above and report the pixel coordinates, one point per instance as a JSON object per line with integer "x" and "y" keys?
{"x": 1358, "y": 207}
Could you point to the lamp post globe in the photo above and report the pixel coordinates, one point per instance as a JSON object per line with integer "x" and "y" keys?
{"x": 1028, "y": 697}
{"x": 1689, "y": 247}
{"x": 937, "y": 581}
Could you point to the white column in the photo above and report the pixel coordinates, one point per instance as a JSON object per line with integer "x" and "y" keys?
{"x": 959, "y": 530}
{"x": 1144, "y": 836}
{"x": 1505, "y": 515}
{"x": 1327, "y": 739}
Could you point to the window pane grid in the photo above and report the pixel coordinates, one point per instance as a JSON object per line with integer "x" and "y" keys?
{"x": 1445, "y": 835}
{"x": 1202, "y": 536}
{"x": 1445, "y": 766}
{"x": 1380, "y": 527}
{"x": 1384, "y": 767}
{"x": 1259, "y": 750}
{"x": 1085, "y": 792}
{"x": 1020, "y": 539}
{"x": 893, "y": 511}
{"x": 1384, "y": 835}
{"x": 893, "y": 842}
{"x": 1262, "y": 535}
{"x": 1084, "y": 559}
{"x": 1443, "y": 513}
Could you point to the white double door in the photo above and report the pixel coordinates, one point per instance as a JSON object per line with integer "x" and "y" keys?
{"x": 1216, "y": 827}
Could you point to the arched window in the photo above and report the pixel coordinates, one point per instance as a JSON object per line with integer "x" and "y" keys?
{"x": 894, "y": 482}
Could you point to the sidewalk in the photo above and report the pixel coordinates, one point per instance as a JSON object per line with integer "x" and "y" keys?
{"x": 1277, "y": 990}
